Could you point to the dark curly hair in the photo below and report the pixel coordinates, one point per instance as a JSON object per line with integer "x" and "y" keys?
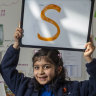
{"x": 52, "y": 56}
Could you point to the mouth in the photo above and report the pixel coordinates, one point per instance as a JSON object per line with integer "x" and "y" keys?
{"x": 43, "y": 78}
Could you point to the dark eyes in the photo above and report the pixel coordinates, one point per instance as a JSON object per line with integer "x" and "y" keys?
{"x": 36, "y": 67}
{"x": 44, "y": 67}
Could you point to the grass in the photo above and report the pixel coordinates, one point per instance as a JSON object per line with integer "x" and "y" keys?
{"x": 95, "y": 14}
{"x": 95, "y": 38}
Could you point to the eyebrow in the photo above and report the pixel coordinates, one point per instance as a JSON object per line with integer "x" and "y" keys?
{"x": 42, "y": 65}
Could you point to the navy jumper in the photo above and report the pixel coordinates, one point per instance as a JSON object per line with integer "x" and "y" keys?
{"x": 18, "y": 83}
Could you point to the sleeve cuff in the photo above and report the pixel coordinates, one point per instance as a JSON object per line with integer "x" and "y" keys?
{"x": 91, "y": 67}
{"x": 13, "y": 50}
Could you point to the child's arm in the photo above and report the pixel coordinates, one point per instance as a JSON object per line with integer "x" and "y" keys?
{"x": 89, "y": 87}
{"x": 89, "y": 50}
{"x": 8, "y": 66}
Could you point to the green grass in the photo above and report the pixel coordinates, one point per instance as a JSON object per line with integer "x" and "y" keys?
{"x": 95, "y": 14}
{"x": 95, "y": 38}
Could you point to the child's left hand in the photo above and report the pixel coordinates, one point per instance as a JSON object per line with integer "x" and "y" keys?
{"x": 89, "y": 50}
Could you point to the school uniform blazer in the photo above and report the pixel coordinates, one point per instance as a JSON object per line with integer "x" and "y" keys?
{"x": 18, "y": 83}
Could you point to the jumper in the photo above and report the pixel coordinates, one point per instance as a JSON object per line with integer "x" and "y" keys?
{"x": 18, "y": 83}
{"x": 45, "y": 91}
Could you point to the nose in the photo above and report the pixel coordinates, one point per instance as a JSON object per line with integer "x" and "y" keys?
{"x": 41, "y": 71}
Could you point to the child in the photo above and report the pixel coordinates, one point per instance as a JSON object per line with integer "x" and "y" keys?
{"x": 49, "y": 73}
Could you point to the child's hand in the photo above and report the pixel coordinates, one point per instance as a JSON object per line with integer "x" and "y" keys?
{"x": 17, "y": 36}
{"x": 89, "y": 50}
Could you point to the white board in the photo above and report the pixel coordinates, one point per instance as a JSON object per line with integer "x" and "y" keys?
{"x": 63, "y": 24}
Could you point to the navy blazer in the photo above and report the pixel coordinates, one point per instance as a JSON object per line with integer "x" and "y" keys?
{"x": 19, "y": 84}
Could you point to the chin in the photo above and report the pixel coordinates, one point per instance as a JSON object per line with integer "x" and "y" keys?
{"x": 43, "y": 83}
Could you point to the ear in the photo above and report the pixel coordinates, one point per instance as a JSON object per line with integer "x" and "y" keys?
{"x": 59, "y": 69}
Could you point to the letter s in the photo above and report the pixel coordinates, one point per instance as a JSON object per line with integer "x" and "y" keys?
{"x": 57, "y": 8}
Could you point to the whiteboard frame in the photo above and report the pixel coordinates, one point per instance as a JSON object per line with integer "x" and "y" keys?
{"x": 60, "y": 48}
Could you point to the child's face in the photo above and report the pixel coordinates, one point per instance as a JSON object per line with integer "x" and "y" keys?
{"x": 44, "y": 71}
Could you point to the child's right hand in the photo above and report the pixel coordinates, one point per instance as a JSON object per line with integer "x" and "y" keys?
{"x": 17, "y": 36}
